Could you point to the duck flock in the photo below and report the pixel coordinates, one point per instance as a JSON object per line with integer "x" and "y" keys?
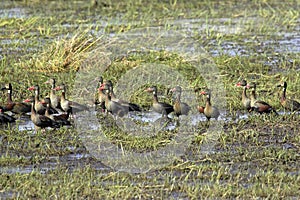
{"x": 55, "y": 111}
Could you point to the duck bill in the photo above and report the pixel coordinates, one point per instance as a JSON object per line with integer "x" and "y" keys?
{"x": 27, "y": 101}
{"x": 30, "y": 88}
{"x": 57, "y": 88}
{"x": 149, "y": 90}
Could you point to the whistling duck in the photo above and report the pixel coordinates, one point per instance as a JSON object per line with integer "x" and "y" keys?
{"x": 55, "y": 100}
{"x": 5, "y": 118}
{"x": 245, "y": 99}
{"x": 69, "y": 106}
{"x": 112, "y": 106}
{"x": 61, "y": 119}
{"x": 159, "y": 107}
{"x": 15, "y": 107}
{"x": 288, "y": 104}
{"x": 100, "y": 96}
{"x": 209, "y": 110}
{"x": 132, "y": 106}
{"x": 40, "y": 106}
{"x": 40, "y": 121}
{"x": 179, "y": 107}
{"x": 258, "y": 105}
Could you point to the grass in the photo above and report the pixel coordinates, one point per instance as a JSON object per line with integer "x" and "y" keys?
{"x": 255, "y": 157}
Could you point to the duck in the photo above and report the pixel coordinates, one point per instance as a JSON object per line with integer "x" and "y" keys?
{"x": 100, "y": 96}
{"x": 259, "y": 106}
{"x": 40, "y": 121}
{"x": 40, "y": 106}
{"x": 209, "y": 110}
{"x": 180, "y": 108}
{"x": 67, "y": 105}
{"x": 288, "y": 104}
{"x": 54, "y": 99}
{"x": 131, "y": 106}
{"x": 5, "y": 118}
{"x": 14, "y": 107}
{"x": 113, "y": 107}
{"x": 159, "y": 107}
{"x": 246, "y": 101}
{"x": 61, "y": 119}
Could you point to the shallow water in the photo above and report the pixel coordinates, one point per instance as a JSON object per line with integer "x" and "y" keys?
{"x": 147, "y": 117}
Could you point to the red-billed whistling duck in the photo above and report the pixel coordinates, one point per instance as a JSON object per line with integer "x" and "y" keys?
{"x": 15, "y": 107}
{"x": 113, "y": 107}
{"x": 69, "y": 106}
{"x": 40, "y": 106}
{"x": 5, "y": 118}
{"x": 258, "y": 105}
{"x": 159, "y": 107}
{"x": 288, "y": 104}
{"x": 55, "y": 100}
{"x": 179, "y": 107}
{"x": 132, "y": 106}
{"x": 245, "y": 99}
{"x": 209, "y": 110}
{"x": 40, "y": 121}
{"x": 61, "y": 119}
{"x": 100, "y": 96}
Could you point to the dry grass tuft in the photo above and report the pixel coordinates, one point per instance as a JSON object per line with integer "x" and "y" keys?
{"x": 64, "y": 55}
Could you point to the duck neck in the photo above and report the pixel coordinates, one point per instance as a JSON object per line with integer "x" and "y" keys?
{"x": 52, "y": 92}
{"x": 37, "y": 94}
{"x": 178, "y": 95}
{"x": 244, "y": 94}
{"x": 112, "y": 94}
{"x": 63, "y": 95}
{"x": 9, "y": 94}
{"x": 253, "y": 95}
{"x": 283, "y": 97}
{"x": 155, "y": 99}
{"x": 33, "y": 111}
{"x": 208, "y": 103}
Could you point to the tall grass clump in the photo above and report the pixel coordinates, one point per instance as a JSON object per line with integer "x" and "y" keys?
{"x": 63, "y": 55}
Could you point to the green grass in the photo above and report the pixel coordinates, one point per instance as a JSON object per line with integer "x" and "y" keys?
{"x": 256, "y": 157}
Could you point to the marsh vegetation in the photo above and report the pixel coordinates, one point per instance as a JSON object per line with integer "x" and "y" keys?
{"x": 256, "y": 156}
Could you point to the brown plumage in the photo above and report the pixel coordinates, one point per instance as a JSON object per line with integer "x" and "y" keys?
{"x": 5, "y": 118}
{"x": 40, "y": 106}
{"x": 15, "y": 107}
{"x": 131, "y": 106}
{"x": 40, "y": 121}
{"x": 201, "y": 109}
{"x": 100, "y": 96}
{"x": 258, "y": 105}
{"x": 111, "y": 106}
{"x": 288, "y": 104}
{"x": 67, "y": 105}
{"x": 209, "y": 110}
{"x": 61, "y": 119}
{"x": 55, "y": 100}
{"x": 159, "y": 107}
{"x": 180, "y": 108}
